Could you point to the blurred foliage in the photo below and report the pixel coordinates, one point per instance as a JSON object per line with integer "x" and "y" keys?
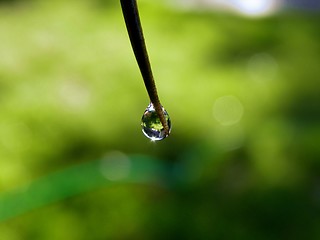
{"x": 71, "y": 93}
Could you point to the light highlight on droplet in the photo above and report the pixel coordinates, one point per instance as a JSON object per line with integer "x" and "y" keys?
{"x": 151, "y": 124}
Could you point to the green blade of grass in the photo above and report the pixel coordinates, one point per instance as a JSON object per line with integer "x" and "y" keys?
{"x": 117, "y": 169}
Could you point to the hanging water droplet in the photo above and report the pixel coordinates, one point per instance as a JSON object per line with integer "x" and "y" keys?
{"x": 151, "y": 124}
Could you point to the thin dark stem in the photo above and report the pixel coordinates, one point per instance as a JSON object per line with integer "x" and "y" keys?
{"x": 132, "y": 19}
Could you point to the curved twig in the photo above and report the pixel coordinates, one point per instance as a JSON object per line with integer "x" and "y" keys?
{"x": 132, "y": 19}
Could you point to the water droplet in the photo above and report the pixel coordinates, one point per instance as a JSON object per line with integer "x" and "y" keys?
{"x": 151, "y": 124}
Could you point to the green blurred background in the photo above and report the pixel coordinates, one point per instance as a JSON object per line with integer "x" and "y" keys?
{"x": 242, "y": 161}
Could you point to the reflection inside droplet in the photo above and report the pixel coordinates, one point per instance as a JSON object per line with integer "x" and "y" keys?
{"x": 151, "y": 124}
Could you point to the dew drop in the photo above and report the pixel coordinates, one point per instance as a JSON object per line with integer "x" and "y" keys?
{"x": 151, "y": 124}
